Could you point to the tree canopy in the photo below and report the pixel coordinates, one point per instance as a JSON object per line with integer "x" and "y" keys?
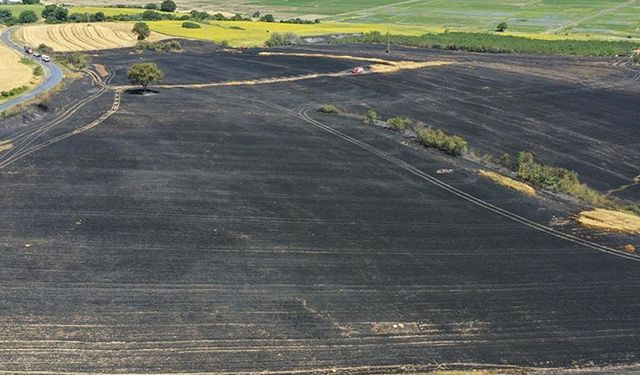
{"x": 142, "y": 30}
{"x": 168, "y": 6}
{"x": 55, "y": 13}
{"x": 144, "y": 73}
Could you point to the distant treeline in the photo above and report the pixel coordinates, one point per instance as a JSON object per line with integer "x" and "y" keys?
{"x": 491, "y": 43}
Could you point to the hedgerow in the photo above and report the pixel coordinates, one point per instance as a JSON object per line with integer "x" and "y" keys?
{"x": 166, "y": 46}
{"x": 436, "y": 138}
{"x": 492, "y": 43}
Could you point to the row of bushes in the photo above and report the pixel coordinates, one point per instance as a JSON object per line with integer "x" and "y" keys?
{"x": 556, "y": 179}
{"x": 283, "y": 39}
{"x": 436, "y": 138}
{"x": 428, "y": 137}
{"x": 492, "y": 43}
{"x": 166, "y": 46}
{"x": 73, "y": 60}
{"x": 165, "y": 6}
{"x": 7, "y": 18}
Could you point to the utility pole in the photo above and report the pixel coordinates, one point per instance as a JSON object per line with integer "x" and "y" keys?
{"x": 388, "y": 42}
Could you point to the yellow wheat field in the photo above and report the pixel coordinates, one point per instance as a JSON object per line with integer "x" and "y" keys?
{"x": 12, "y": 72}
{"x": 81, "y": 36}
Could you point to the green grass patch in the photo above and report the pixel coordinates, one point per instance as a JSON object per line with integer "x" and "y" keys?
{"x": 27, "y": 61}
{"x": 14, "y": 91}
{"x": 38, "y": 71}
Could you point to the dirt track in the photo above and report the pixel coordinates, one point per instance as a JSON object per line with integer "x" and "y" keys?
{"x": 243, "y": 231}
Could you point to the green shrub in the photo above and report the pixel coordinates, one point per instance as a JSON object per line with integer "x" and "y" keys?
{"x": 27, "y": 61}
{"x": 436, "y": 138}
{"x": 371, "y": 116}
{"x": 636, "y": 58}
{"x": 282, "y": 39}
{"x": 328, "y": 108}
{"x": 43, "y": 48}
{"x": 190, "y": 25}
{"x": 400, "y": 123}
{"x": 166, "y": 46}
{"x": 502, "y": 27}
{"x": 14, "y": 91}
{"x": 38, "y": 71}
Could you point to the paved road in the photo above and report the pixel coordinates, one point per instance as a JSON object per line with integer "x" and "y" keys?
{"x": 52, "y": 75}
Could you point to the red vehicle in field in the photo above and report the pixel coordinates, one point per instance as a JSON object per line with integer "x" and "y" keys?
{"x": 28, "y": 50}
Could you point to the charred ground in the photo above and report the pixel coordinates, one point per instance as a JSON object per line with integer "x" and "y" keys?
{"x": 236, "y": 229}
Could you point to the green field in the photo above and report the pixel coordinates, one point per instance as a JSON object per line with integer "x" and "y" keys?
{"x": 16, "y": 9}
{"x": 538, "y": 18}
{"x": 608, "y": 18}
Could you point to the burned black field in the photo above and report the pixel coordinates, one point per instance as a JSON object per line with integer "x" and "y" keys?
{"x": 236, "y": 229}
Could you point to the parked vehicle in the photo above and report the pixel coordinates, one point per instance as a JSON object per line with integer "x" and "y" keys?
{"x": 28, "y": 50}
{"x": 36, "y": 54}
{"x": 45, "y": 58}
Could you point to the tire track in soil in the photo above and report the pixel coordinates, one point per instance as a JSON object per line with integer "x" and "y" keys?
{"x": 303, "y": 115}
{"x": 23, "y": 141}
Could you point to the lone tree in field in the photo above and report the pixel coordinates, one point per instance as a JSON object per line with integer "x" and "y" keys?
{"x": 144, "y": 73}
{"x": 142, "y": 29}
{"x": 168, "y": 6}
{"x": 502, "y": 26}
